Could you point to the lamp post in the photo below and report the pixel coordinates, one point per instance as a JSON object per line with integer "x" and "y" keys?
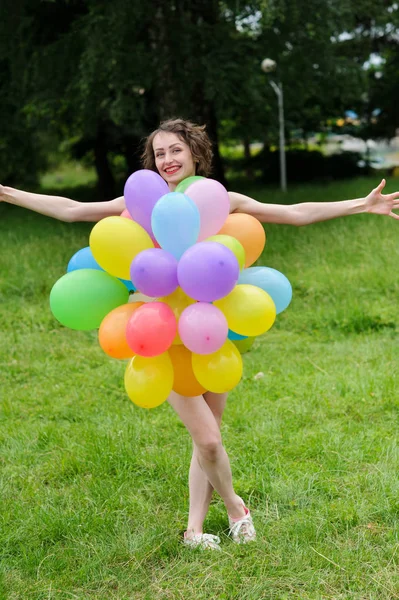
{"x": 268, "y": 66}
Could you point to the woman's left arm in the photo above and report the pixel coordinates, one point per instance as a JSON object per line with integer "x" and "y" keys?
{"x": 312, "y": 212}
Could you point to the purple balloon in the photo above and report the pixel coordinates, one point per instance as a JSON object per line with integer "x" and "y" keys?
{"x": 154, "y": 272}
{"x": 142, "y": 191}
{"x": 208, "y": 271}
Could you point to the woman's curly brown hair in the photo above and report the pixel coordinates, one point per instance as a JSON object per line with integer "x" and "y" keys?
{"x": 193, "y": 135}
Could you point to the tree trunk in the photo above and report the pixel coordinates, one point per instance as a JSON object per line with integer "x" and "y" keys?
{"x": 247, "y": 154}
{"x": 106, "y": 181}
{"x": 132, "y": 154}
{"x": 210, "y": 119}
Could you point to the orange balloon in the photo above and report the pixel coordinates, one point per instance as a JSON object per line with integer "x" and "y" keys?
{"x": 247, "y": 230}
{"x": 184, "y": 382}
{"x": 112, "y": 332}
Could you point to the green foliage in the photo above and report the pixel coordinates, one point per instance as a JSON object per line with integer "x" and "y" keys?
{"x": 104, "y": 73}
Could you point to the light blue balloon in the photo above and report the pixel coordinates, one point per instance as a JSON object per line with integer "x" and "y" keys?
{"x": 271, "y": 281}
{"x": 175, "y": 222}
{"x": 232, "y": 335}
{"x": 84, "y": 259}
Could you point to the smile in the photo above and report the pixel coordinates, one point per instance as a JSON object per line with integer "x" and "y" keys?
{"x": 171, "y": 170}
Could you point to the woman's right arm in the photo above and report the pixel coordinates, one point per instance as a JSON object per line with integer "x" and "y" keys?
{"x": 61, "y": 208}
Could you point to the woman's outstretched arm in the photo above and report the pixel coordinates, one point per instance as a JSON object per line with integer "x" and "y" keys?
{"x": 312, "y": 212}
{"x": 62, "y": 208}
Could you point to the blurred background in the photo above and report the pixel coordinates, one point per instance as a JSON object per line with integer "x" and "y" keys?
{"x": 83, "y": 81}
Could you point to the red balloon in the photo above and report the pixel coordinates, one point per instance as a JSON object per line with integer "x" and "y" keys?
{"x": 151, "y": 329}
{"x": 126, "y": 214}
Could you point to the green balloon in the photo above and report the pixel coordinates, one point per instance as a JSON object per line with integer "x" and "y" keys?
{"x": 183, "y": 185}
{"x": 82, "y": 298}
{"x": 232, "y": 244}
{"x": 244, "y": 345}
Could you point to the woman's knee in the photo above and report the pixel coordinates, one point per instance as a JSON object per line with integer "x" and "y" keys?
{"x": 209, "y": 448}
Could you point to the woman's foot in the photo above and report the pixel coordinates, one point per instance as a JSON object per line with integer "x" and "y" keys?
{"x": 205, "y": 541}
{"x": 242, "y": 529}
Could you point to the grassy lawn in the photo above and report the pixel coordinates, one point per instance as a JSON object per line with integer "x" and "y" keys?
{"x": 94, "y": 493}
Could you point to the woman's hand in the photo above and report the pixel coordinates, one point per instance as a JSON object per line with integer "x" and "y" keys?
{"x": 3, "y": 195}
{"x": 382, "y": 204}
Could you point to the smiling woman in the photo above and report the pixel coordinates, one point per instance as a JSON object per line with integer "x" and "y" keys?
{"x": 177, "y": 150}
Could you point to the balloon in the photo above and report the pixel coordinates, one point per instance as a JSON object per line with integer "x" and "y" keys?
{"x": 138, "y": 297}
{"x": 115, "y": 241}
{"x": 184, "y": 381}
{"x": 151, "y": 329}
{"x": 233, "y": 244}
{"x": 176, "y": 223}
{"x": 84, "y": 259}
{"x": 207, "y": 271}
{"x": 154, "y": 272}
{"x": 183, "y": 185}
{"x": 244, "y": 345}
{"x": 247, "y": 230}
{"x": 128, "y": 284}
{"x": 213, "y": 203}
{"x": 233, "y": 336}
{"x": 112, "y": 332}
{"x": 126, "y": 214}
{"x": 248, "y": 309}
{"x": 148, "y": 381}
{"x": 177, "y": 301}
{"x": 221, "y": 371}
{"x": 142, "y": 190}
{"x": 271, "y": 281}
{"x": 203, "y": 328}
{"x": 82, "y": 298}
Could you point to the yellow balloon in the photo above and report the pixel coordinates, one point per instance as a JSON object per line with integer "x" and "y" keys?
{"x": 115, "y": 241}
{"x": 178, "y": 301}
{"x": 149, "y": 381}
{"x": 184, "y": 382}
{"x": 249, "y": 310}
{"x": 221, "y": 371}
{"x": 232, "y": 244}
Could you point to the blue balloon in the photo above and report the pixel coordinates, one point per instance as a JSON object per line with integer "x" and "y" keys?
{"x": 175, "y": 222}
{"x": 271, "y": 281}
{"x": 128, "y": 284}
{"x": 84, "y": 259}
{"x": 232, "y": 335}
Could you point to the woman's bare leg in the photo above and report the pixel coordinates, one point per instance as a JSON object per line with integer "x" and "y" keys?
{"x": 201, "y": 489}
{"x": 211, "y": 456}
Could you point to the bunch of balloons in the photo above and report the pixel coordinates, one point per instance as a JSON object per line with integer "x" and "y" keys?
{"x": 196, "y": 302}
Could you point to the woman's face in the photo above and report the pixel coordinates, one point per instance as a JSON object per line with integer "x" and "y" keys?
{"x": 173, "y": 158}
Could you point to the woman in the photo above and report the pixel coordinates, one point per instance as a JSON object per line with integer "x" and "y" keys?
{"x": 180, "y": 149}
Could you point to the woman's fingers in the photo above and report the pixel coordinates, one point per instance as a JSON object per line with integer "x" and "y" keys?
{"x": 381, "y": 186}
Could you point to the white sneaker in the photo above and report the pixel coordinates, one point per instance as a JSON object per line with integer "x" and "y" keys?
{"x": 242, "y": 530}
{"x": 205, "y": 541}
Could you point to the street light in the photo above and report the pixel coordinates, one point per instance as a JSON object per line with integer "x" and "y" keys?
{"x": 268, "y": 66}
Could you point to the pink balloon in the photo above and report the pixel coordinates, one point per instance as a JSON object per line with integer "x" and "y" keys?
{"x": 213, "y": 203}
{"x": 151, "y": 329}
{"x": 203, "y": 328}
{"x": 126, "y": 214}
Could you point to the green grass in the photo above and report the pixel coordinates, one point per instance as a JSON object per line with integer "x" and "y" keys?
{"x": 94, "y": 490}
